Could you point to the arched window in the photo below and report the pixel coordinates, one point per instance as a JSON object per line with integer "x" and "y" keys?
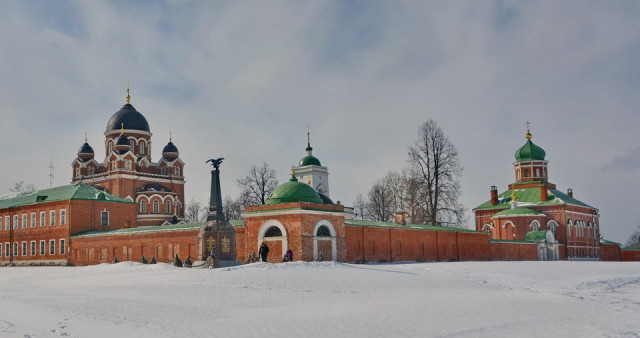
{"x": 273, "y": 232}
{"x": 77, "y": 172}
{"x": 91, "y": 170}
{"x": 114, "y": 165}
{"x": 110, "y": 148}
{"x": 553, "y": 226}
{"x": 537, "y": 172}
{"x": 168, "y": 207}
{"x": 535, "y": 225}
{"x": 141, "y": 148}
{"x": 156, "y": 206}
{"x": 488, "y": 228}
{"x": 163, "y": 170}
{"x": 176, "y": 170}
{"x": 143, "y": 206}
{"x": 526, "y": 173}
{"x": 323, "y": 231}
{"x": 127, "y": 165}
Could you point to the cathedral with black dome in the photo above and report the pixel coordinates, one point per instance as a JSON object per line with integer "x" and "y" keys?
{"x": 129, "y": 172}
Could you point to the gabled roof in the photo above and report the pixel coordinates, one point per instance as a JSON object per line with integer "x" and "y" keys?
{"x": 78, "y": 191}
{"x": 142, "y": 229}
{"x": 531, "y": 197}
{"x": 632, "y": 247}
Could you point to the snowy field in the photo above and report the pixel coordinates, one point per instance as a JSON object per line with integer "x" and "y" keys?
{"x": 469, "y": 299}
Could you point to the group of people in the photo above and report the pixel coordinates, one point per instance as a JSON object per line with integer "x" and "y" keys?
{"x": 263, "y": 252}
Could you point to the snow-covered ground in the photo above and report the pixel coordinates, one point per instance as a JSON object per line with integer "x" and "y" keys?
{"x": 468, "y": 299}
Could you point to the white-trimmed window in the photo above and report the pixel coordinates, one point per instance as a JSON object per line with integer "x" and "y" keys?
{"x": 114, "y": 165}
{"x": 168, "y": 207}
{"x": 104, "y": 218}
{"x": 52, "y": 218}
{"x": 52, "y": 247}
{"x": 143, "y": 206}
{"x": 24, "y": 248}
{"x": 141, "y": 148}
{"x": 15, "y": 222}
{"x": 43, "y": 218}
{"x": 110, "y": 148}
{"x": 33, "y": 219}
{"x": 1, "y": 249}
{"x": 176, "y": 170}
{"x": 7, "y": 249}
{"x": 24, "y": 221}
{"x": 0, "y": 226}
{"x": 63, "y": 247}
{"x": 15, "y": 249}
{"x": 33, "y": 248}
{"x": 535, "y": 225}
{"x": 7, "y": 222}
{"x": 77, "y": 172}
{"x": 127, "y": 165}
{"x": 63, "y": 216}
{"x": 42, "y": 248}
{"x": 156, "y": 206}
{"x": 91, "y": 171}
{"x": 163, "y": 170}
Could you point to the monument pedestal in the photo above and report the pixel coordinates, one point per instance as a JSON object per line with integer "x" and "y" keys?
{"x": 219, "y": 238}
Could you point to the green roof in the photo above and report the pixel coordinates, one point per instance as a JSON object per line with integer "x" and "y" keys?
{"x": 539, "y": 235}
{"x": 78, "y": 191}
{"x": 632, "y": 247}
{"x": 407, "y": 226}
{"x": 309, "y": 160}
{"x": 530, "y": 152}
{"x": 517, "y": 212}
{"x": 531, "y": 197}
{"x": 293, "y": 191}
{"x": 604, "y": 241}
{"x": 142, "y": 229}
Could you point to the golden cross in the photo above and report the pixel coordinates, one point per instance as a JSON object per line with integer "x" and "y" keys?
{"x": 528, "y": 124}
{"x": 128, "y": 96}
{"x": 211, "y": 244}
{"x": 85, "y": 137}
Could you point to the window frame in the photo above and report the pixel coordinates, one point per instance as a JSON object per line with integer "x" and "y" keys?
{"x": 43, "y": 247}
{"x": 33, "y": 220}
{"x": 15, "y": 222}
{"x": 167, "y": 207}
{"x": 156, "y": 206}
{"x": 63, "y": 247}
{"x": 15, "y": 249}
{"x": 32, "y": 248}
{"x": 52, "y": 218}
{"x": 63, "y": 216}
{"x": 104, "y": 213}
{"x": 7, "y": 222}
{"x": 24, "y": 221}
{"x": 24, "y": 250}
{"x": 43, "y": 218}
{"x": 143, "y": 206}
{"x": 52, "y": 247}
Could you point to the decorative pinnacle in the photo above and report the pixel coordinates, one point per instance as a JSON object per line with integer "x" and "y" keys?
{"x": 85, "y": 137}
{"x": 170, "y": 136}
{"x": 528, "y": 136}
{"x": 128, "y": 96}
{"x": 513, "y": 196}
{"x": 122, "y": 128}
{"x": 293, "y": 171}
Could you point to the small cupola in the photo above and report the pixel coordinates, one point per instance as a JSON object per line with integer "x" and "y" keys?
{"x": 530, "y": 164}
{"x": 309, "y": 159}
{"x": 123, "y": 144}
{"x": 170, "y": 151}
{"x": 85, "y": 153}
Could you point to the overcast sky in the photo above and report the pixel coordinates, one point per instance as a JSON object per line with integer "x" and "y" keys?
{"x": 243, "y": 79}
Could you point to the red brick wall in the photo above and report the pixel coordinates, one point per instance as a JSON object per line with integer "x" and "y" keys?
{"x": 610, "y": 252}
{"x": 162, "y": 245}
{"x": 86, "y": 216}
{"x": 630, "y": 255}
{"x": 514, "y": 251}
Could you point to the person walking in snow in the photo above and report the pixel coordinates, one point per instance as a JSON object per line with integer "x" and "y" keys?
{"x": 264, "y": 251}
{"x": 289, "y": 255}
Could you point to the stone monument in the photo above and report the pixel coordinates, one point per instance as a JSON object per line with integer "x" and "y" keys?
{"x": 218, "y": 237}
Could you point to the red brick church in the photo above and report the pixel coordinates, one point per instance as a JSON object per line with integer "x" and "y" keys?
{"x": 129, "y": 172}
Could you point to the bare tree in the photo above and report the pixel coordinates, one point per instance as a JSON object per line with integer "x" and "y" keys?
{"x": 436, "y": 159}
{"x": 193, "y": 212}
{"x": 360, "y": 206}
{"x": 232, "y": 208}
{"x": 21, "y": 189}
{"x": 258, "y": 184}
{"x": 380, "y": 206}
{"x": 635, "y": 238}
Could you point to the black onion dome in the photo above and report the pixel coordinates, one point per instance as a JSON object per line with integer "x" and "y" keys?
{"x": 123, "y": 141}
{"x": 85, "y": 153}
{"x": 170, "y": 151}
{"x": 325, "y": 199}
{"x": 85, "y": 149}
{"x": 131, "y": 118}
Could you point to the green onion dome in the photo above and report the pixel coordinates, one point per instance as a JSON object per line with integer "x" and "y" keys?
{"x": 530, "y": 152}
{"x": 309, "y": 160}
{"x": 293, "y": 191}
